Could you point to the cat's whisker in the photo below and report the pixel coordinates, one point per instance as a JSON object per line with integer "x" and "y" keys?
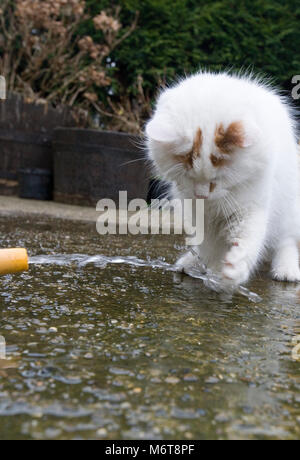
{"x": 145, "y": 160}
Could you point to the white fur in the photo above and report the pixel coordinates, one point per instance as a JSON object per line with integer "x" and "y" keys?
{"x": 253, "y": 213}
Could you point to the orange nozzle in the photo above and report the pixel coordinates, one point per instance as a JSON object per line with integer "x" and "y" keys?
{"x": 13, "y": 261}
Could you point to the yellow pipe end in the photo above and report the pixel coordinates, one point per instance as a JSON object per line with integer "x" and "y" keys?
{"x": 13, "y": 260}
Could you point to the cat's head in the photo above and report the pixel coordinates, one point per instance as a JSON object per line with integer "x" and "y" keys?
{"x": 204, "y": 157}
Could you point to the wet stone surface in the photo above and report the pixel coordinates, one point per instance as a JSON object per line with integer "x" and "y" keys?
{"x": 130, "y": 352}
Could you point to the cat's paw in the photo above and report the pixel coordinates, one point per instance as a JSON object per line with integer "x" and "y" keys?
{"x": 286, "y": 273}
{"x": 186, "y": 262}
{"x": 236, "y": 268}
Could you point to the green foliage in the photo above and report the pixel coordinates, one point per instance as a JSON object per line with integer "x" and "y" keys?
{"x": 113, "y": 73}
{"x": 175, "y": 37}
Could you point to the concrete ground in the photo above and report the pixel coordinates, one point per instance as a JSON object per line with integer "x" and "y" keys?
{"x": 19, "y": 206}
{"x": 14, "y": 206}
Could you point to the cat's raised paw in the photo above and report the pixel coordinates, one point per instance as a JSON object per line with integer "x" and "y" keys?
{"x": 236, "y": 270}
{"x": 187, "y": 262}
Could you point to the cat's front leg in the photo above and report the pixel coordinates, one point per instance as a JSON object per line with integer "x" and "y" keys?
{"x": 237, "y": 266}
{"x": 285, "y": 263}
{"x": 245, "y": 245}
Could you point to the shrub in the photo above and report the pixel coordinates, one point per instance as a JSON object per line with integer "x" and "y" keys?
{"x": 180, "y": 36}
{"x": 177, "y": 37}
{"x": 110, "y": 57}
{"x": 43, "y": 56}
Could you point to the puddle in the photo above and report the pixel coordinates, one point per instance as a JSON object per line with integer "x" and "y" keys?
{"x": 120, "y": 347}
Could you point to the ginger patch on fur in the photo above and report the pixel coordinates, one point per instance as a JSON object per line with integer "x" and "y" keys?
{"x": 227, "y": 140}
{"x": 197, "y": 143}
{"x": 212, "y": 186}
{"x": 186, "y": 160}
{"x": 189, "y": 158}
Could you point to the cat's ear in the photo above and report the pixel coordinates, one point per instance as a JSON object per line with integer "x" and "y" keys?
{"x": 160, "y": 130}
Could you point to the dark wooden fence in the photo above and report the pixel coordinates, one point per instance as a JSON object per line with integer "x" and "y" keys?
{"x": 90, "y": 165}
{"x": 26, "y": 132}
{"x": 87, "y": 164}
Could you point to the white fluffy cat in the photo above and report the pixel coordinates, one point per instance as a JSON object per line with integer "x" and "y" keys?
{"x": 231, "y": 140}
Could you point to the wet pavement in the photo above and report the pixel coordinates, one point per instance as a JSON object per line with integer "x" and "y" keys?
{"x": 128, "y": 351}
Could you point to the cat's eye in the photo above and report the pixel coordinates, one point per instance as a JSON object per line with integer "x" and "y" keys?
{"x": 186, "y": 160}
{"x": 217, "y": 161}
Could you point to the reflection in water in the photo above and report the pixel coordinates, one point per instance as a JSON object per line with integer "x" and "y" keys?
{"x": 129, "y": 352}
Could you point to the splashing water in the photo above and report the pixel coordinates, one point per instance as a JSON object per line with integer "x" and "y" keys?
{"x": 210, "y": 280}
{"x": 214, "y": 282}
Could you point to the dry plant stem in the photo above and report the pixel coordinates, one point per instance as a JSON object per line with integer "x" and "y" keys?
{"x": 42, "y": 56}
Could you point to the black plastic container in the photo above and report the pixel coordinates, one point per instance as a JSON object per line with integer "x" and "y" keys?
{"x": 36, "y": 184}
